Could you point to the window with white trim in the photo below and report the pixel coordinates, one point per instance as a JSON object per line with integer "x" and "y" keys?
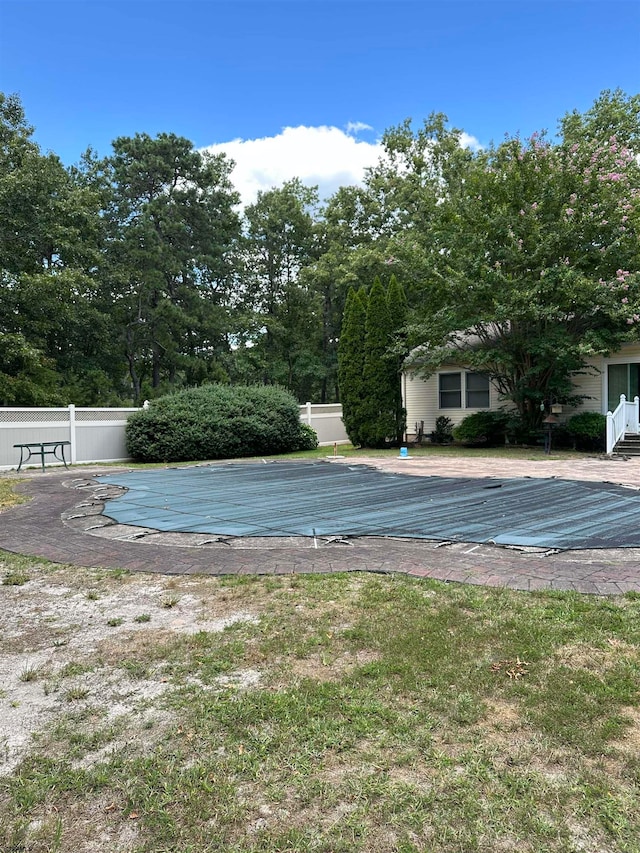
{"x": 450, "y": 390}
{"x": 472, "y": 388}
{"x": 477, "y": 396}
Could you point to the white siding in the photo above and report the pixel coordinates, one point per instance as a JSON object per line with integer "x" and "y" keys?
{"x": 421, "y": 395}
{"x": 422, "y": 403}
{"x": 592, "y": 385}
{"x": 595, "y": 386}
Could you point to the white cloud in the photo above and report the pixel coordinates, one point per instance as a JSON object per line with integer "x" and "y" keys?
{"x": 326, "y": 156}
{"x": 468, "y": 141}
{"x": 357, "y": 126}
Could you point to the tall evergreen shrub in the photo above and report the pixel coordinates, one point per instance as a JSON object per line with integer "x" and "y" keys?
{"x": 378, "y": 411}
{"x": 351, "y": 363}
{"x": 370, "y": 356}
{"x": 397, "y": 302}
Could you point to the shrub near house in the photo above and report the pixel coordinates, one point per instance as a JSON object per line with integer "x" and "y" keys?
{"x": 587, "y": 431}
{"x": 487, "y": 428}
{"x": 218, "y": 422}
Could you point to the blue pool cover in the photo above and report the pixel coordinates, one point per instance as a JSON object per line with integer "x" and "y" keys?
{"x": 327, "y": 499}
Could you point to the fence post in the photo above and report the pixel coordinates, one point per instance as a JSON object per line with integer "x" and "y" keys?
{"x": 610, "y": 439}
{"x": 309, "y": 413}
{"x": 72, "y": 432}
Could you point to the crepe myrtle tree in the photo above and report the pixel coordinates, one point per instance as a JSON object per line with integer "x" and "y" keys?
{"x": 538, "y": 243}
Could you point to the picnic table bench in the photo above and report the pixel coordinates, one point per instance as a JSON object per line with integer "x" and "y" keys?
{"x": 42, "y": 449}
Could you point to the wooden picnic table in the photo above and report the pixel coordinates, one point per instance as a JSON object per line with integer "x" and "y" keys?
{"x": 42, "y": 449}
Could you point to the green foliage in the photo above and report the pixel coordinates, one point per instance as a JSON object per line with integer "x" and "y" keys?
{"x": 130, "y": 276}
{"x": 443, "y": 433}
{"x": 532, "y": 252}
{"x": 379, "y": 377}
{"x": 308, "y": 438}
{"x": 216, "y": 422}
{"x": 520, "y": 431}
{"x": 588, "y": 430}
{"x": 53, "y": 333}
{"x": 487, "y": 428}
{"x": 397, "y": 303}
{"x": 171, "y": 222}
{"x": 283, "y": 311}
{"x": 27, "y": 378}
{"x": 370, "y": 356}
{"x": 351, "y": 363}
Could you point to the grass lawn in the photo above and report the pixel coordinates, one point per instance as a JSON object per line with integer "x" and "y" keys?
{"x": 427, "y": 451}
{"x": 8, "y": 496}
{"x": 335, "y": 713}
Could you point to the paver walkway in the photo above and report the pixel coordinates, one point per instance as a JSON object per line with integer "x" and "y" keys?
{"x": 37, "y": 529}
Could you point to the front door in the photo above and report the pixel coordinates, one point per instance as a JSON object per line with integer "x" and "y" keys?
{"x": 622, "y": 379}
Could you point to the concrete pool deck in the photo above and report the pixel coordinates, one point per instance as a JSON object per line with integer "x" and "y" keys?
{"x": 37, "y": 528}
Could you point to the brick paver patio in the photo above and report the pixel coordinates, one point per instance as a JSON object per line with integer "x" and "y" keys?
{"x": 37, "y": 529}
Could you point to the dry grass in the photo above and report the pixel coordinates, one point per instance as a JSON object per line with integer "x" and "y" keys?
{"x": 331, "y": 714}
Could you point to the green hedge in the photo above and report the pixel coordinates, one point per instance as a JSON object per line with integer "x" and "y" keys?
{"x": 218, "y": 422}
{"x": 488, "y": 428}
{"x": 588, "y": 430}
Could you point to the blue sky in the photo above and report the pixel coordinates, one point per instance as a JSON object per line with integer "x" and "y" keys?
{"x": 216, "y": 71}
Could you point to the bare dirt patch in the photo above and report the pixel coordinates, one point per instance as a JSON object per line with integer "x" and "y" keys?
{"x": 593, "y": 659}
{"x": 325, "y": 667}
{"x": 65, "y": 635}
{"x": 629, "y": 743}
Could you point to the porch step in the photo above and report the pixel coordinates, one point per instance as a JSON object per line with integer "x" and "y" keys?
{"x": 628, "y": 446}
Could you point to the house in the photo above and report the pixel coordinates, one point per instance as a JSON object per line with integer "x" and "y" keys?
{"x": 453, "y": 392}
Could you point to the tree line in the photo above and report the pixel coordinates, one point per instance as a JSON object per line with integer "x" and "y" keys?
{"x": 127, "y": 276}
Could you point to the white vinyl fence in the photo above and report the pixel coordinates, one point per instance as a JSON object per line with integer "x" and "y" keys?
{"x": 326, "y": 419}
{"x": 97, "y": 435}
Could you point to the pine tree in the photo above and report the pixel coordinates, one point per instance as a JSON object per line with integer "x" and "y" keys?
{"x": 351, "y": 363}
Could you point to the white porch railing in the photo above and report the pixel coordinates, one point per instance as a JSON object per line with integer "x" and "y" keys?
{"x": 626, "y": 418}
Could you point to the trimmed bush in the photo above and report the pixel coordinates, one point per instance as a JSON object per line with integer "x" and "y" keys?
{"x": 443, "y": 433}
{"x": 308, "y": 438}
{"x": 588, "y": 431}
{"x": 487, "y": 428}
{"x": 519, "y": 433}
{"x": 218, "y": 422}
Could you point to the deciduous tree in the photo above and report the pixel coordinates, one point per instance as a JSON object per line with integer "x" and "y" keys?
{"x": 537, "y": 242}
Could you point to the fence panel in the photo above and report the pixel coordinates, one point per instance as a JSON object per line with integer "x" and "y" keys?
{"x": 20, "y": 426}
{"x": 97, "y": 435}
{"x": 326, "y": 420}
